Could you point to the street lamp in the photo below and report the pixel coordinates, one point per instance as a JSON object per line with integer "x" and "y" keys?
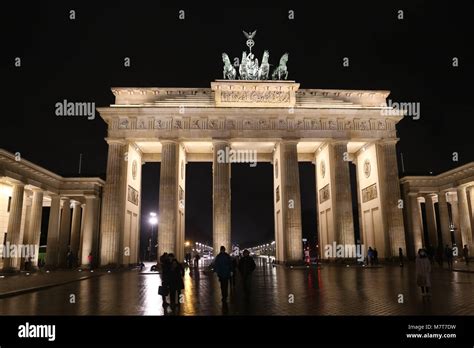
{"x": 153, "y": 220}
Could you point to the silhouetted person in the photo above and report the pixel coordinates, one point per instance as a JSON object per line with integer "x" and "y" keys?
{"x": 423, "y": 271}
{"x": 196, "y": 260}
{"x": 69, "y": 259}
{"x": 246, "y": 267}
{"x": 439, "y": 256}
{"x": 223, "y": 268}
{"x": 175, "y": 280}
{"x": 165, "y": 265}
{"x": 90, "y": 260}
{"x": 376, "y": 256}
{"x": 448, "y": 252}
{"x": 465, "y": 253}
{"x": 234, "y": 270}
{"x": 28, "y": 263}
{"x": 400, "y": 256}
{"x": 188, "y": 258}
{"x": 370, "y": 256}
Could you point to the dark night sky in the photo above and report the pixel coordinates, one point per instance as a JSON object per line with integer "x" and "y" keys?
{"x": 79, "y": 60}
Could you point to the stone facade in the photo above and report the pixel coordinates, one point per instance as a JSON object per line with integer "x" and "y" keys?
{"x": 283, "y": 125}
{"x": 26, "y": 189}
{"x": 448, "y": 198}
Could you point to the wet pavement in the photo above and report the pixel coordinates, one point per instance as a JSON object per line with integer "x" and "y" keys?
{"x": 332, "y": 290}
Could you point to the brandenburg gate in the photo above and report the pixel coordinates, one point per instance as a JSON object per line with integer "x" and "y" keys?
{"x": 284, "y": 125}
{"x": 281, "y": 124}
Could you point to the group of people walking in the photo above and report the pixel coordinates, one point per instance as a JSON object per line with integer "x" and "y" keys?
{"x": 172, "y": 273}
{"x": 225, "y": 266}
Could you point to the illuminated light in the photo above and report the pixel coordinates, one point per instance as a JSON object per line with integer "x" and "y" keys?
{"x": 27, "y": 274}
{"x": 80, "y": 270}
{"x": 6, "y": 191}
{"x": 1, "y": 277}
{"x": 92, "y": 271}
{"x": 153, "y": 220}
{"x": 108, "y": 271}
{"x": 347, "y": 265}
{"x": 186, "y": 243}
{"x": 47, "y": 271}
{"x": 152, "y": 214}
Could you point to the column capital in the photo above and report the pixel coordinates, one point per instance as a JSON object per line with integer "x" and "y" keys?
{"x": 462, "y": 187}
{"x": 430, "y": 196}
{"x": 164, "y": 141}
{"x": 338, "y": 142}
{"x": 387, "y": 141}
{"x": 442, "y": 196}
{"x": 220, "y": 140}
{"x": 65, "y": 200}
{"x": 111, "y": 141}
{"x": 290, "y": 140}
{"x": 36, "y": 189}
{"x": 90, "y": 196}
{"x": 16, "y": 183}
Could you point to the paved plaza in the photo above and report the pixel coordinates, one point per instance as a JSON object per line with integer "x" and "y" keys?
{"x": 332, "y": 290}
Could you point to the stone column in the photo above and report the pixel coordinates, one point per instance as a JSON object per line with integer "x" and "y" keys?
{"x": 14, "y": 225}
{"x": 464, "y": 218}
{"x": 64, "y": 232}
{"x": 34, "y": 227}
{"x": 455, "y": 218}
{"x": 53, "y": 232}
{"x": 341, "y": 191}
{"x": 79, "y": 252}
{"x": 112, "y": 203}
{"x": 444, "y": 218}
{"x": 168, "y": 200}
{"x": 292, "y": 199}
{"x": 89, "y": 235}
{"x": 431, "y": 221}
{"x": 470, "y": 192}
{"x": 390, "y": 197}
{"x": 221, "y": 197}
{"x": 76, "y": 229}
{"x": 416, "y": 227}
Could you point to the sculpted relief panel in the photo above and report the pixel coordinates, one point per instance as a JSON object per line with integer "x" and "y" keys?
{"x": 255, "y": 97}
{"x": 266, "y": 123}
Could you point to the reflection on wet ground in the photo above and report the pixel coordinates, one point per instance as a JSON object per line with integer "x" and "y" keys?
{"x": 331, "y": 290}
